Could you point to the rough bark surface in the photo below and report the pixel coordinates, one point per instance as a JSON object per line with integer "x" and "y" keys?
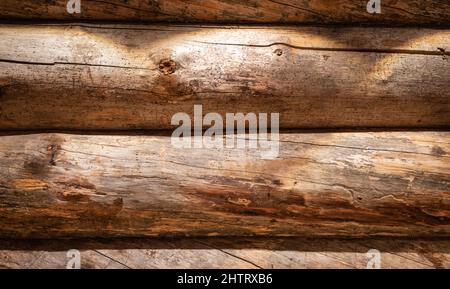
{"x": 350, "y": 184}
{"x": 138, "y": 77}
{"x": 393, "y": 12}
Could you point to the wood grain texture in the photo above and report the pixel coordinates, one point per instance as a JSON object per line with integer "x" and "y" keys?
{"x": 138, "y": 77}
{"x": 220, "y": 253}
{"x": 418, "y": 12}
{"x": 350, "y": 184}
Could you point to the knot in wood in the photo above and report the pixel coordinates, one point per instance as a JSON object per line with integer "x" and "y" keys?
{"x": 167, "y": 66}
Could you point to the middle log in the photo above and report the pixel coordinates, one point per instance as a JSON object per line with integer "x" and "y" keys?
{"x": 346, "y": 184}
{"x": 137, "y": 77}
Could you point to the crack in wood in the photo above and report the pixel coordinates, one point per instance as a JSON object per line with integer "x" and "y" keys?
{"x": 229, "y": 254}
{"x": 336, "y": 49}
{"x": 72, "y": 63}
{"x": 112, "y": 259}
{"x": 301, "y": 9}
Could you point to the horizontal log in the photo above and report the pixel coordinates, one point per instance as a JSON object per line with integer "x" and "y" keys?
{"x": 349, "y": 184}
{"x": 431, "y": 12}
{"x": 230, "y": 253}
{"x": 137, "y": 77}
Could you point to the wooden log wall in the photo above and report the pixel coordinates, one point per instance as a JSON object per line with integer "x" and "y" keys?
{"x": 393, "y": 12}
{"x": 73, "y": 95}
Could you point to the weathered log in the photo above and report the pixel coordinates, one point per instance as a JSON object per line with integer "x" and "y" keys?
{"x": 138, "y": 77}
{"x": 430, "y": 12}
{"x": 231, "y": 253}
{"x": 349, "y": 184}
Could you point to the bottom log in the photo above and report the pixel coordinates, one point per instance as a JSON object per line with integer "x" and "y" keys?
{"x": 349, "y": 184}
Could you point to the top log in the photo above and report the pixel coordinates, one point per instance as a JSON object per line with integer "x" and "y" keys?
{"x": 121, "y": 77}
{"x": 393, "y": 12}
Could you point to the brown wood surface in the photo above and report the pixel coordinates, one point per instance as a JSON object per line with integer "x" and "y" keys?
{"x": 219, "y": 253}
{"x": 418, "y": 12}
{"x": 350, "y": 184}
{"x": 138, "y": 77}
